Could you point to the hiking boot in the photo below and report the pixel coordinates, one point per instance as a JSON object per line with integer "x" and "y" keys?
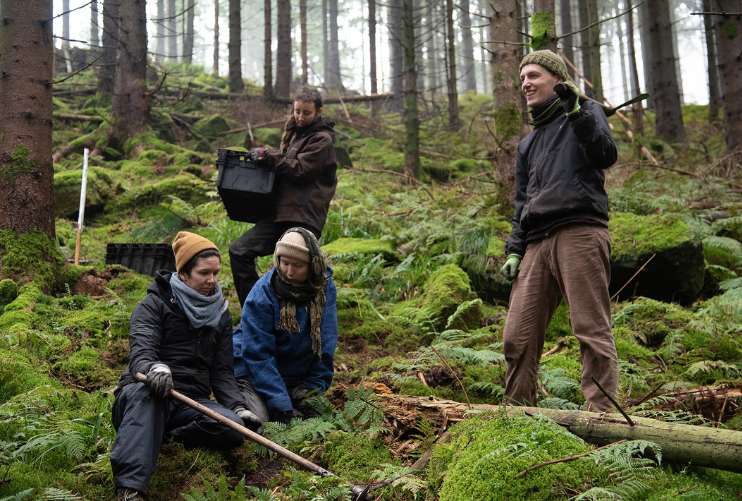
{"x": 128, "y": 495}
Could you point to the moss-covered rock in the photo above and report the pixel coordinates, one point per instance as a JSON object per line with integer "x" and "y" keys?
{"x": 102, "y": 186}
{"x": 446, "y": 289}
{"x": 19, "y": 374}
{"x": 8, "y": 292}
{"x": 346, "y": 246}
{"x": 211, "y": 126}
{"x": 268, "y": 137}
{"x": 354, "y": 455}
{"x": 32, "y": 256}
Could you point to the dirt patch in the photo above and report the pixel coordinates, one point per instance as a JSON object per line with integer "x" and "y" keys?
{"x": 267, "y": 469}
{"x": 93, "y": 283}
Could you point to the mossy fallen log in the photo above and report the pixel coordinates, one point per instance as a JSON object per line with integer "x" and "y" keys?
{"x": 700, "y": 446}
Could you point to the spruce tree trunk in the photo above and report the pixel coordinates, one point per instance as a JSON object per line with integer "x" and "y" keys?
{"x": 283, "y": 54}
{"x": 303, "y": 28}
{"x": 396, "y": 35}
{"x": 372, "y": 44}
{"x": 325, "y": 44}
{"x": 188, "y": 32}
{"x": 711, "y": 61}
{"x": 453, "y": 94}
{"x": 129, "y": 107}
{"x": 267, "y": 53}
{"x": 26, "y": 171}
{"x": 65, "y": 24}
{"x": 622, "y": 54}
{"x": 637, "y": 109}
{"x": 419, "y": 5}
{"x": 594, "y": 40}
{"x": 160, "y": 31}
{"x": 646, "y": 56}
{"x": 94, "y": 38}
{"x": 587, "y": 67}
{"x": 411, "y": 118}
{"x": 335, "y": 80}
{"x": 431, "y": 47}
{"x": 236, "y": 84}
{"x": 485, "y": 30}
{"x": 729, "y": 40}
{"x": 543, "y": 25}
{"x": 172, "y": 30}
{"x": 567, "y": 43}
{"x": 470, "y": 76}
{"x": 669, "y": 117}
{"x": 107, "y": 73}
{"x": 215, "y": 64}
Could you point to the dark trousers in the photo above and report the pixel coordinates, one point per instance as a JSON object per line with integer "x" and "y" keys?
{"x": 142, "y": 422}
{"x": 260, "y": 240}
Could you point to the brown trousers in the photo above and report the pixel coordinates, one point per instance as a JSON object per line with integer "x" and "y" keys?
{"x": 571, "y": 264}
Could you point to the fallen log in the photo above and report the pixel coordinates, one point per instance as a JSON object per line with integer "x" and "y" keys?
{"x": 701, "y": 446}
{"x": 82, "y": 118}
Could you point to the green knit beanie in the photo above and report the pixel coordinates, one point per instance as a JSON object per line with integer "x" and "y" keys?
{"x": 548, "y": 60}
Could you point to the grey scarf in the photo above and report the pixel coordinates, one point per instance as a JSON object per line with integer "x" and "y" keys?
{"x": 200, "y": 310}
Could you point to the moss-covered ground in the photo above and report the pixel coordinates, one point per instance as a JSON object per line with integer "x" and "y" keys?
{"x": 421, "y": 310}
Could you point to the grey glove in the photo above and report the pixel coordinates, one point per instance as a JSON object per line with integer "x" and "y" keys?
{"x": 252, "y": 422}
{"x": 160, "y": 380}
{"x": 257, "y": 154}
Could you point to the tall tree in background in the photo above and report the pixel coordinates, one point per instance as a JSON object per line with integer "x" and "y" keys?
{"x": 669, "y": 121}
{"x": 453, "y": 95}
{"x": 394, "y": 22}
{"x": 372, "y": 44}
{"x": 236, "y": 84}
{"x": 94, "y": 38}
{"x": 621, "y": 52}
{"x": 65, "y": 24}
{"x": 334, "y": 79}
{"x": 172, "y": 30}
{"x": 714, "y": 98}
{"x": 431, "y": 46}
{"x": 26, "y": 172}
{"x": 594, "y": 41}
{"x": 506, "y": 94}
{"x": 587, "y": 66}
{"x": 470, "y": 76}
{"x": 110, "y": 40}
{"x": 160, "y": 31}
{"x": 543, "y": 25}
{"x": 283, "y": 54}
{"x": 267, "y": 53}
{"x": 567, "y": 45}
{"x": 729, "y": 40}
{"x": 303, "y": 27}
{"x": 633, "y": 71}
{"x": 215, "y": 64}
{"x": 189, "y": 32}
{"x": 325, "y": 43}
{"x": 644, "y": 23}
{"x": 411, "y": 118}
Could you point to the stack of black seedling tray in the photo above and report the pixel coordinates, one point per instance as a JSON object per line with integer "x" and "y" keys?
{"x": 246, "y": 189}
{"x": 142, "y": 258}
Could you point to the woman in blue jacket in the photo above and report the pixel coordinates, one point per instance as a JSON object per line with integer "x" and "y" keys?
{"x": 285, "y": 344}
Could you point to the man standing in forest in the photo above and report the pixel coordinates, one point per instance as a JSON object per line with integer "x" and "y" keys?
{"x": 305, "y": 166}
{"x": 560, "y": 245}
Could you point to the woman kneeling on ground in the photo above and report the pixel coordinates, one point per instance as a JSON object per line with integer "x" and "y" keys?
{"x": 285, "y": 344}
{"x": 180, "y": 337}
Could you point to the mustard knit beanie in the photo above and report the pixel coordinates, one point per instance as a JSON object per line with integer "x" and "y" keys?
{"x": 186, "y": 245}
{"x": 548, "y": 60}
{"x": 292, "y": 245}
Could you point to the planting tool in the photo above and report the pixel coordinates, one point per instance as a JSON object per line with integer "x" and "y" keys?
{"x": 609, "y": 112}
{"x": 359, "y": 493}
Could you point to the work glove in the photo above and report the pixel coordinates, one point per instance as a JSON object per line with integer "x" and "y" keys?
{"x": 252, "y": 422}
{"x": 510, "y": 268}
{"x": 302, "y": 396}
{"x": 569, "y": 94}
{"x": 285, "y": 417}
{"x": 257, "y": 154}
{"x": 160, "y": 380}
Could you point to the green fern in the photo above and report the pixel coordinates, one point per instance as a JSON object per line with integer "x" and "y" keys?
{"x": 54, "y": 494}
{"x": 462, "y": 310}
{"x": 472, "y": 356}
{"x": 19, "y": 496}
{"x": 486, "y": 388}
{"x": 558, "y": 384}
{"x": 400, "y": 477}
{"x": 262, "y": 494}
{"x": 222, "y": 492}
{"x": 557, "y": 403}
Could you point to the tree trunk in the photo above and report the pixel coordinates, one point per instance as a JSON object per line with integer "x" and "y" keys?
{"x": 372, "y": 44}
{"x": 646, "y": 57}
{"x": 172, "y": 30}
{"x": 65, "y": 24}
{"x": 94, "y": 38}
{"x": 334, "y": 78}
{"x": 236, "y": 84}
{"x": 453, "y": 95}
{"x": 107, "y": 74}
{"x": 160, "y": 31}
{"x": 543, "y": 26}
{"x": 637, "y": 109}
{"x": 189, "y": 32}
{"x": 484, "y": 36}
{"x": 397, "y": 77}
{"x": 594, "y": 40}
{"x": 325, "y": 44}
{"x": 587, "y": 67}
{"x": 711, "y": 61}
{"x": 669, "y": 121}
{"x": 567, "y": 43}
{"x": 622, "y": 53}
{"x": 506, "y": 95}
{"x": 431, "y": 47}
{"x": 418, "y": 6}
{"x": 729, "y": 40}
{"x": 411, "y": 118}
{"x": 129, "y": 108}
{"x": 470, "y": 77}
{"x": 682, "y": 444}
{"x": 283, "y": 54}
{"x": 26, "y": 172}
{"x": 215, "y": 64}
{"x": 303, "y": 28}
{"x": 267, "y": 52}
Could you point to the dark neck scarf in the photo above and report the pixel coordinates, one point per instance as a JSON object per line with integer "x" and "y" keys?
{"x": 311, "y": 291}
{"x": 545, "y": 113}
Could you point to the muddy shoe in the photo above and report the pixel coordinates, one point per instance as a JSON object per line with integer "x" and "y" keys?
{"x": 128, "y": 495}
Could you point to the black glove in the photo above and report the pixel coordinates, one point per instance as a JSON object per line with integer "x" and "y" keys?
{"x": 285, "y": 417}
{"x": 160, "y": 380}
{"x": 256, "y": 154}
{"x": 302, "y": 396}
{"x": 569, "y": 94}
{"x": 252, "y": 422}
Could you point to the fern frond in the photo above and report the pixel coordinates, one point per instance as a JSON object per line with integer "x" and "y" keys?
{"x": 19, "y": 496}
{"x": 726, "y": 244}
{"x": 54, "y": 494}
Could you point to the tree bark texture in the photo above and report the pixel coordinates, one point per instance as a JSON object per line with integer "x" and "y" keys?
{"x": 372, "y": 44}
{"x": 334, "y": 78}
{"x": 215, "y": 64}
{"x": 646, "y": 58}
{"x": 235, "y": 47}
{"x": 65, "y": 24}
{"x": 267, "y": 53}
{"x": 594, "y": 40}
{"x": 467, "y": 42}
{"x": 707, "y": 447}
{"x": 669, "y": 117}
{"x": 283, "y": 54}
{"x": 729, "y": 41}
{"x": 397, "y": 77}
{"x": 94, "y": 37}
{"x": 453, "y": 94}
{"x": 325, "y": 43}
{"x": 303, "y": 28}
{"x": 160, "y": 31}
{"x": 587, "y": 67}
{"x": 567, "y": 43}
{"x": 711, "y": 61}
{"x": 431, "y": 46}
{"x": 189, "y": 32}
{"x": 129, "y": 107}
{"x": 485, "y": 30}
{"x": 637, "y": 108}
{"x": 543, "y": 25}
{"x": 411, "y": 117}
{"x": 622, "y": 53}
{"x": 110, "y": 40}
{"x": 172, "y": 30}
{"x": 26, "y": 172}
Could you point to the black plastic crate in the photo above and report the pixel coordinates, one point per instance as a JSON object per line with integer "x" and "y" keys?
{"x": 245, "y": 188}
{"x": 142, "y": 258}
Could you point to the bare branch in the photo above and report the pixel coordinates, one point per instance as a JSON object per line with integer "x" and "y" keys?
{"x": 78, "y": 71}
{"x": 599, "y": 22}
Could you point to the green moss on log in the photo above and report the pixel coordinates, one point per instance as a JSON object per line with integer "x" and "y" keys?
{"x": 32, "y": 256}
{"x": 446, "y": 289}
